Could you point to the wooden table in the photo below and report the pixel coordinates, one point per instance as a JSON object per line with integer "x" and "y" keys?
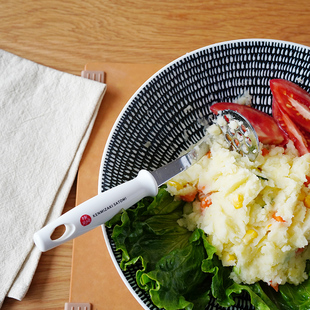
{"x": 67, "y": 34}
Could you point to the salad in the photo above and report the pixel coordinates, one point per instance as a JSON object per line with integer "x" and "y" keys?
{"x": 183, "y": 262}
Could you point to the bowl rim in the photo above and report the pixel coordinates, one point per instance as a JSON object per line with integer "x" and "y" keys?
{"x": 104, "y": 231}
{"x": 169, "y": 65}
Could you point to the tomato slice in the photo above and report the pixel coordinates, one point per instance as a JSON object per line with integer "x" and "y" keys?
{"x": 300, "y": 137}
{"x": 266, "y": 127}
{"x": 293, "y": 100}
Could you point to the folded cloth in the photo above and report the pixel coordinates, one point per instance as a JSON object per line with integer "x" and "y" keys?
{"x": 46, "y": 117}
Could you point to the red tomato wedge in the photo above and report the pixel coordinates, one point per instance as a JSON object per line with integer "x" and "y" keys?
{"x": 266, "y": 127}
{"x": 300, "y": 137}
{"x": 293, "y": 100}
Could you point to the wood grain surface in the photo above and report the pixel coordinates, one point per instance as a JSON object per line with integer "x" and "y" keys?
{"x": 67, "y": 34}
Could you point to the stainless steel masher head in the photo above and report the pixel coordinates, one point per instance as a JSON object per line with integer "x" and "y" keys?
{"x": 239, "y": 133}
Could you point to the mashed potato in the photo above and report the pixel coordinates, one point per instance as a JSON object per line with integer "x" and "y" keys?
{"x": 256, "y": 214}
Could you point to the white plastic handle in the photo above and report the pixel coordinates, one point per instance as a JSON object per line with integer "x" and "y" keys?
{"x": 97, "y": 210}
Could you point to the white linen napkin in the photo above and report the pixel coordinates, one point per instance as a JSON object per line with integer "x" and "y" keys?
{"x": 46, "y": 117}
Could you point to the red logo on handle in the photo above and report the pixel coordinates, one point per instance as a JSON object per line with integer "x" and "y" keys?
{"x": 85, "y": 219}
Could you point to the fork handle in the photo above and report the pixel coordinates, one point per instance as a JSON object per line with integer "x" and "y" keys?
{"x": 97, "y": 210}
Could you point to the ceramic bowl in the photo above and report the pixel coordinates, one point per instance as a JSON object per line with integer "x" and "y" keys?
{"x": 168, "y": 112}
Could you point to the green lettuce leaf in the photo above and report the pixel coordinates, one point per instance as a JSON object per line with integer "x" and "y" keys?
{"x": 150, "y": 231}
{"x": 224, "y": 289}
{"x": 180, "y": 269}
{"x": 170, "y": 255}
{"x": 291, "y": 297}
{"x": 262, "y": 296}
{"x": 177, "y": 281}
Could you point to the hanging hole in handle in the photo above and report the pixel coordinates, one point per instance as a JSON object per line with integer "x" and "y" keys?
{"x": 58, "y": 232}
{"x": 62, "y": 232}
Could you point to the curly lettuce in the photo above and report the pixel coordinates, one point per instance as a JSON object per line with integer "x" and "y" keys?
{"x": 179, "y": 268}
